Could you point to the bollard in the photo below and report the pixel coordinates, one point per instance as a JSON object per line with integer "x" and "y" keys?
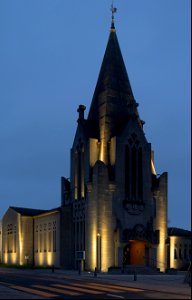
{"x": 53, "y": 268}
{"x": 95, "y": 272}
{"x": 135, "y": 275}
{"x": 79, "y": 269}
{"x": 123, "y": 270}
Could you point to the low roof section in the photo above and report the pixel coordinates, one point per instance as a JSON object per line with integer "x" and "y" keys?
{"x": 30, "y": 212}
{"x": 173, "y": 231}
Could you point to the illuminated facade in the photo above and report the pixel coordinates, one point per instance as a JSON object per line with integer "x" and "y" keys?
{"x": 115, "y": 203}
{"x": 179, "y": 248}
{"x": 47, "y": 239}
{"x": 31, "y": 237}
{"x": 114, "y": 207}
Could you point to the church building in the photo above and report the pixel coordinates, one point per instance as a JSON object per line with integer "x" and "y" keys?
{"x": 115, "y": 203}
{"x": 113, "y": 211}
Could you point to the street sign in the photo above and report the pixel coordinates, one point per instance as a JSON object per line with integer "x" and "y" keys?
{"x": 80, "y": 255}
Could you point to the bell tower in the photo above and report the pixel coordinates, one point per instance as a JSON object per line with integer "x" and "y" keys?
{"x": 118, "y": 203}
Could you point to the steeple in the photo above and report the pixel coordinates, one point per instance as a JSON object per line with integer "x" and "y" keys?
{"x": 113, "y": 100}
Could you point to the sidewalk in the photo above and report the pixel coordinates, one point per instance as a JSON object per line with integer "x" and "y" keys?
{"x": 162, "y": 283}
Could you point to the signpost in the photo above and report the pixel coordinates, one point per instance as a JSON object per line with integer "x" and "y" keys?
{"x": 80, "y": 257}
{"x": 27, "y": 259}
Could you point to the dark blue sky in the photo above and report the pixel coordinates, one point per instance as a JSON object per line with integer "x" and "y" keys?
{"x": 50, "y": 55}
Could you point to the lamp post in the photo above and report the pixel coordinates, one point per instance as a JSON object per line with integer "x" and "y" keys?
{"x": 98, "y": 252}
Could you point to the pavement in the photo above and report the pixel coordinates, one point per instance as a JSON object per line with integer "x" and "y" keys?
{"x": 7, "y": 293}
{"x": 173, "y": 284}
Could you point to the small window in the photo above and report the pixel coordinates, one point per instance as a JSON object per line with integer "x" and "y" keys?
{"x": 40, "y": 237}
{"x": 14, "y": 239}
{"x": 185, "y": 253}
{"x": 54, "y": 240}
{"x": 180, "y": 253}
{"x": 154, "y": 207}
{"x": 175, "y": 253}
{"x": 49, "y": 241}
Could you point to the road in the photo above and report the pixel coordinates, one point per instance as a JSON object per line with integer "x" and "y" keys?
{"x": 55, "y": 286}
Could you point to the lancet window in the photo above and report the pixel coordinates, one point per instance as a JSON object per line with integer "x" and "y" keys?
{"x": 54, "y": 237}
{"x": 79, "y": 172}
{"x": 133, "y": 169}
{"x": 11, "y": 239}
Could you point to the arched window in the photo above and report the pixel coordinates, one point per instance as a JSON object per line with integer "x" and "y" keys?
{"x": 40, "y": 239}
{"x": 133, "y": 170}
{"x": 134, "y": 173}
{"x": 54, "y": 237}
{"x": 14, "y": 239}
{"x": 127, "y": 173}
{"x": 140, "y": 174}
{"x": 79, "y": 171}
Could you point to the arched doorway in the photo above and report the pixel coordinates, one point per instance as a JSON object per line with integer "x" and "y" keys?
{"x": 136, "y": 252}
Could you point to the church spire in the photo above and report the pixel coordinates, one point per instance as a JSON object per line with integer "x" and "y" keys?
{"x": 113, "y": 101}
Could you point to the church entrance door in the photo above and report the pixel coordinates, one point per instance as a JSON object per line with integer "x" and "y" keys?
{"x": 136, "y": 253}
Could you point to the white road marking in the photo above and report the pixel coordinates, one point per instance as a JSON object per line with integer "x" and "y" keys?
{"x": 116, "y": 296}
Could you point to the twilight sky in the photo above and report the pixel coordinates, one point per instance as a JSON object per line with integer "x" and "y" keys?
{"x": 50, "y": 55}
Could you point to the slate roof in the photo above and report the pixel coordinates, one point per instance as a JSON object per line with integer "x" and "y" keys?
{"x": 173, "y": 231}
{"x": 30, "y": 212}
{"x": 113, "y": 99}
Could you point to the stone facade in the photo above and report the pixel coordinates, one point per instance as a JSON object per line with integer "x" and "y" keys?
{"x": 47, "y": 239}
{"x": 116, "y": 201}
{"x": 30, "y": 237}
{"x": 114, "y": 207}
{"x": 17, "y": 238}
{"x": 179, "y": 248}
{"x": 12, "y": 247}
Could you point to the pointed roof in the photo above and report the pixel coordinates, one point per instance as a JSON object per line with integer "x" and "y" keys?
{"x": 113, "y": 98}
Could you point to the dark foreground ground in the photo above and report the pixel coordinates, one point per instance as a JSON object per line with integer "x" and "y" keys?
{"x": 42, "y": 284}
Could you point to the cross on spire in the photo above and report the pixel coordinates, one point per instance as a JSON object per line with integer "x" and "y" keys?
{"x": 113, "y": 10}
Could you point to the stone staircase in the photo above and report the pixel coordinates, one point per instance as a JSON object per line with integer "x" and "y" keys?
{"x": 135, "y": 269}
{"x": 141, "y": 270}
